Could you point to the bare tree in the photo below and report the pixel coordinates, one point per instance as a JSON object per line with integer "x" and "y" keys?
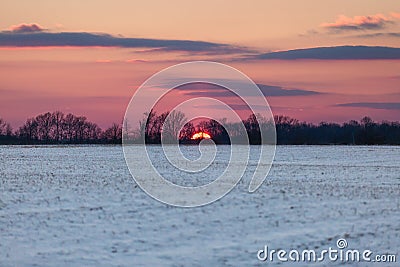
{"x": 69, "y": 127}
{"x": 187, "y": 131}
{"x": 29, "y": 130}
{"x": 172, "y": 125}
{"x": 57, "y": 120}
{"x": 44, "y": 124}
{"x": 5, "y": 128}
{"x": 92, "y": 131}
{"x": 113, "y": 133}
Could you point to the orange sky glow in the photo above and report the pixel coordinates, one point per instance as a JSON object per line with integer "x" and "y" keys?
{"x": 113, "y": 50}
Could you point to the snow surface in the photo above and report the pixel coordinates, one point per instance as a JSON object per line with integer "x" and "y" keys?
{"x": 79, "y": 206}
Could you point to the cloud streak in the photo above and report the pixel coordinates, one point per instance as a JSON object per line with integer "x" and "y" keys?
{"x": 373, "y": 105}
{"x": 357, "y": 23}
{"x": 334, "y": 53}
{"x": 271, "y": 90}
{"x": 210, "y": 90}
{"x": 379, "y": 34}
{"x": 32, "y": 35}
{"x": 26, "y": 28}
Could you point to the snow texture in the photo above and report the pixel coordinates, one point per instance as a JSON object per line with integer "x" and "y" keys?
{"x": 79, "y": 206}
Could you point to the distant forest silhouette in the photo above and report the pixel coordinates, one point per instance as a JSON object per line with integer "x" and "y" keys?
{"x": 58, "y": 128}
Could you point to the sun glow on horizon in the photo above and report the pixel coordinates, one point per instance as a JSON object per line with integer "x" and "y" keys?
{"x": 200, "y": 135}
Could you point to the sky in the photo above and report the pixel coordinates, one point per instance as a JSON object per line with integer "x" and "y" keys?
{"x": 333, "y": 60}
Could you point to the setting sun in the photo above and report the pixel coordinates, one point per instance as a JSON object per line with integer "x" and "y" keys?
{"x": 200, "y": 135}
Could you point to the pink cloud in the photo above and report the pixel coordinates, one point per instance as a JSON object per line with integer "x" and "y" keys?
{"x": 395, "y": 15}
{"x": 26, "y": 28}
{"x": 103, "y": 61}
{"x": 370, "y": 22}
{"x": 136, "y": 61}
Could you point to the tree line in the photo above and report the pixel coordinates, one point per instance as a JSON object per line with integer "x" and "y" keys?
{"x": 58, "y": 128}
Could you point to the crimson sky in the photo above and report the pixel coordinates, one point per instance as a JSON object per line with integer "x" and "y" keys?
{"x": 89, "y": 58}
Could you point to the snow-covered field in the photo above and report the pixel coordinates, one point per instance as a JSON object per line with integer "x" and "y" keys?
{"x": 79, "y": 206}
